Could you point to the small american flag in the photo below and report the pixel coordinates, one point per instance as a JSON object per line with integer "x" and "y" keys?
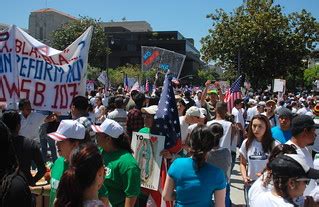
{"x": 147, "y": 86}
{"x": 166, "y": 123}
{"x": 126, "y": 83}
{"x": 233, "y": 93}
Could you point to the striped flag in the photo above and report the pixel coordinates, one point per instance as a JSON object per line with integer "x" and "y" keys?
{"x": 126, "y": 83}
{"x": 147, "y": 86}
{"x": 233, "y": 93}
{"x": 166, "y": 123}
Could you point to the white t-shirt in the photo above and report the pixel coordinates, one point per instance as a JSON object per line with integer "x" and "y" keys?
{"x": 255, "y": 156}
{"x": 184, "y": 127}
{"x": 267, "y": 199}
{"x": 30, "y": 125}
{"x": 257, "y": 189}
{"x": 225, "y": 141}
{"x": 306, "y": 155}
{"x": 238, "y": 116}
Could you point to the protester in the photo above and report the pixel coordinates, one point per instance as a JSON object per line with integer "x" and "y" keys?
{"x": 14, "y": 190}
{"x": 99, "y": 110}
{"x": 290, "y": 175}
{"x": 214, "y": 96}
{"x": 270, "y": 113}
{"x": 193, "y": 115}
{"x": 118, "y": 114}
{"x": 263, "y": 183}
{"x": 181, "y": 107}
{"x": 255, "y": 150}
{"x": 79, "y": 185}
{"x": 194, "y": 185}
{"x": 69, "y": 135}
{"x": 122, "y": 181}
{"x": 282, "y": 133}
{"x": 304, "y": 134}
{"x": 134, "y": 120}
{"x": 27, "y": 150}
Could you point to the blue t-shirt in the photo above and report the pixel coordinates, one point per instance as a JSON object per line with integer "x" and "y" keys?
{"x": 195, "y": 187}
{"x": 280, "y": 135}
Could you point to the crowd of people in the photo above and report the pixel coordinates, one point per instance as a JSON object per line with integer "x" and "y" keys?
{"x": 272, "y": 137}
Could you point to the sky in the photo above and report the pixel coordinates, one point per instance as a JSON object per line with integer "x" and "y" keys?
{"x": 186, "y": 16}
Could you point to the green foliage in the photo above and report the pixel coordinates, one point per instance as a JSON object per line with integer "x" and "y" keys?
{"x": 310, "y": 75}
{"x": 93, "y": 72}
{"x": 69, "y": 32}
{"x": 205, "y": 74}
{"x": 264, "y": 42}
{"x": 117, "y": 74}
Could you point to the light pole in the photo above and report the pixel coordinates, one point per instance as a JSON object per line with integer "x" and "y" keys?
{"x": 108, "y": 41}
{"x": 186, "y": 76}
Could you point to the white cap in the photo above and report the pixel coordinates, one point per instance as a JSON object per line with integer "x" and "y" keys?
{"x": 109, "y": 127}
{"x": 194, "y": 111}
{"x": 68, "y": 129}
{"x": 150, "y": 110}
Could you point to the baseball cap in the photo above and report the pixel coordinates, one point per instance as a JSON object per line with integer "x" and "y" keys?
{"x": 68, "y": 129}
{"x": 194, "y": 111}
{"x": 150, "y": 110}
{"x": 109, "y": 127}
{"x": 292, "y": 165}
{"x": 212, "y": 92}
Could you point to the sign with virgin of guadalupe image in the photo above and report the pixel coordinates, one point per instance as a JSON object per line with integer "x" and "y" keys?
{"x": 147, "y": 148}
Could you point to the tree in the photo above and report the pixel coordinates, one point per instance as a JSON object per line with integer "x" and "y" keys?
{"x": 70, "y": 31}
{"x": 258, "y": 40}
{"x": 311, "y": 75}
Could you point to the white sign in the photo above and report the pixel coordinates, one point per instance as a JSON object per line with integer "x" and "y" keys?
{"x": 279, "y": 85}
{"x": 49, "y": 78}
{"x": 147, "y": 148}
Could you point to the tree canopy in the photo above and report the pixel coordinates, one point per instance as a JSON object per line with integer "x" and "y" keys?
{"x": 70, "y": 31}
{"x": 258, "y": 40}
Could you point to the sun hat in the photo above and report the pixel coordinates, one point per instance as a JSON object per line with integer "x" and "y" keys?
{"x": 150, "y": 110}
{"x": 316, "y": 110}
{"x": 292, "y": 165}
{"x": 68, "y": 129}
{"x": 109, "y": 127}
{"x": 194, "y": 111}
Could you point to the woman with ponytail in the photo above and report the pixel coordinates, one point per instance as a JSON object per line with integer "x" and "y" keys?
{"x": 122, "y": 180}
{"x": 14, "y": 190}
{"x": 79, "y": 185}
{"x": 198, "y": 180}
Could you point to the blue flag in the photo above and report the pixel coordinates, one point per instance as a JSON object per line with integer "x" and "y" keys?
{"x": 166, "y": 118}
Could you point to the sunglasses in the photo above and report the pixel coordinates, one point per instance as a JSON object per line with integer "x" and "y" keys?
{"x": 305, "y": 180}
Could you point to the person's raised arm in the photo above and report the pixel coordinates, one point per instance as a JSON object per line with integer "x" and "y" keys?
{"x": 202, "y": 99}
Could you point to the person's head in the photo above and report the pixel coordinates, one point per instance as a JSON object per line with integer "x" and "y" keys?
{"x": 12, "y": 120}
{"x": 85, "y": 175}
{"x": 238, "y": 103}
{"x": 25, "y": 107}
{"x": 148, "y": 114}
{"x": 69, "y": 135}
{"x": 316, "y": 110}
{"x": 221, "y": 109}
{"x": 284, "y": 117}
{"x": 213, "y": 96}
{"x": 181, "y": 107}
{"x": 193, "y": 115}
{"x": 139, "y": 99}
{"x": 290, "y": 175}
{"x": 98, "y": 100}
{"x": 303, "y": 129}
{"x": 199, "y": 94}
{"x": 202, "y": 139}
{"x": 261, "y": 106}
{"x": 111, "y": 136}
{"x": 79, "y": 106}
{"x": 259, "y": 129}
{"x": 119, "y": 102}
{"x": 270, "y": 106}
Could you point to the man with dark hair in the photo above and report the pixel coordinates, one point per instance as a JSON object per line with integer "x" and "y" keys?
{"x": 238, "y": 113}
{"x": 79, "y": 112}
{"x": 282, "y": 132}
{"x": 135, "y": 121}
{"x": 303, "y": 135}
{"x": 27, "y": 150}
{"x": 118, "y": 114}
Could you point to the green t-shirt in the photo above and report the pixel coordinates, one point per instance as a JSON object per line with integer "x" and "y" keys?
{"x": 122, "y": 178}
{"x": 57, "y": 170}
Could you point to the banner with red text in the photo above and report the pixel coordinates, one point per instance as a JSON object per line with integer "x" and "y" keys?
{"x": 49, "y": 78}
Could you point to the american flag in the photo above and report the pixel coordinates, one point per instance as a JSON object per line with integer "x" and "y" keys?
{"x": 233, "y": 93}
{"x": 126, "y": 83}
{"x": 166, "y": 123}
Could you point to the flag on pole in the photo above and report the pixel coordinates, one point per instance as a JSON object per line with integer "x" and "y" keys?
{"x": 136, "y": 87}
{"x": 126, "y": 83}
{"x": 233, "y": 93}
{"x": 147, "y": 86}
{"x": 166, "y": 123}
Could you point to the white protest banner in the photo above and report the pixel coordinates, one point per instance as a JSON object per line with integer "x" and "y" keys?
{"x": 89, "y": 85}
{"x": 49, "y": 78}
{"x": 224, "y": 86}
{"x": 162, "y": 59}
{"x": 147, "y": 148}
{"x": 103, "y": 78}
{"x": 279, "y": 85}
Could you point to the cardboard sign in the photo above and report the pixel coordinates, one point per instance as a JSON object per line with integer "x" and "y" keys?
{"x": 147, "y": 148}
